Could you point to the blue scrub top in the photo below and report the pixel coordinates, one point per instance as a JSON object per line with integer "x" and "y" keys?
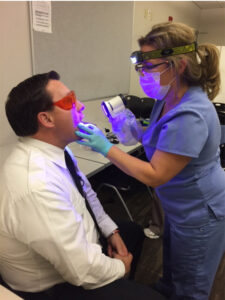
{"x": 192, "y": 128}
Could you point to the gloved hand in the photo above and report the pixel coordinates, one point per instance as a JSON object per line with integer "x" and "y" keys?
{"x": 94, "y": 138}
{"x": 126, "y": 128}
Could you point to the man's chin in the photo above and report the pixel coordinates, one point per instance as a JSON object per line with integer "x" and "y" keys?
{"x": 76, "y": 137}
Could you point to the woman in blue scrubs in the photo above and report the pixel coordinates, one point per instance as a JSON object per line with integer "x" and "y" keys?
{"x": 182, "y": 146}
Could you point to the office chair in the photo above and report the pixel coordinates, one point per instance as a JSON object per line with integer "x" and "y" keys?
{"x": 122, "y": 183}
{"x": 140, "y": 107}
{"x": 117, "y": 190}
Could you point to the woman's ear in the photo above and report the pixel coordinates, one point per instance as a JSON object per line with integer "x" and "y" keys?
{"x": 45, "y": 119}
{"x": 182, "y": 66}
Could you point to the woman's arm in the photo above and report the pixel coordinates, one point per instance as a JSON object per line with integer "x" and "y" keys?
{"x": 162, "y": 167}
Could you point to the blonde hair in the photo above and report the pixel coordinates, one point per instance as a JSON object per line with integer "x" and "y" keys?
{"x": 202, "y": 65}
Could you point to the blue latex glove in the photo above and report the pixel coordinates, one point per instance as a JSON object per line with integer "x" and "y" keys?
{"x": 94, "y": 138}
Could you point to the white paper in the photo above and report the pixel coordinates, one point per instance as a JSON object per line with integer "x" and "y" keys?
{"x": 42, "y": 16}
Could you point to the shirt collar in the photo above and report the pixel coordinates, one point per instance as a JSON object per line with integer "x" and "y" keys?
{"x": 53, "y": 153}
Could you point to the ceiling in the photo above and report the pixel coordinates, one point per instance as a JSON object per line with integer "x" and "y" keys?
{"x": 210, "y": 4}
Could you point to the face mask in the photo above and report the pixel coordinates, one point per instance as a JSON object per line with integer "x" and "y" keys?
{"x": 150, "y": 84}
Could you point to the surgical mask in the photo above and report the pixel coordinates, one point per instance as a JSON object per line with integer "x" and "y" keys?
{"x": 150, "y": 84}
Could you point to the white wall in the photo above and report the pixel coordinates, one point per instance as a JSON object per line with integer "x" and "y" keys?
{"x": 212, "y": 26}
{"x": 15, "y": 57}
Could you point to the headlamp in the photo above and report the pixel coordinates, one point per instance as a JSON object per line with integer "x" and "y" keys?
{"x": 139, "y": 57}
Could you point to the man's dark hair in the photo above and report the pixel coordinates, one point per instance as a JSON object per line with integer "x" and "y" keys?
{"x": 26, "y": 100}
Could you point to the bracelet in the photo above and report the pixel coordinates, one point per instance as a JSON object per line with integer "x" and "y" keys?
{"x": 114, "y": 231}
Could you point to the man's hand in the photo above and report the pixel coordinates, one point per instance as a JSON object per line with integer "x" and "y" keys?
{"x": 116, "y": 244}
{"x": 125, "y": 259}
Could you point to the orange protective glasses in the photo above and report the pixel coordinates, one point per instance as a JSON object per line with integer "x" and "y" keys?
{"x": 67, "y": 102}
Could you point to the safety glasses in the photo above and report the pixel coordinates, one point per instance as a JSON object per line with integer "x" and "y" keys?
{"x": 67, "y": 102}
{"x": 147, "y": 68}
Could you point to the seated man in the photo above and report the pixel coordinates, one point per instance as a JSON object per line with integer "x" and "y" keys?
{"x": 51, "y": 221}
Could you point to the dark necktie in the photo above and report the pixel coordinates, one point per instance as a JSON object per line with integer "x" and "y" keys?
{"x": 79, "y": 184}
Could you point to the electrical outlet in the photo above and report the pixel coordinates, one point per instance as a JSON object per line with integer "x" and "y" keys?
{"x": 148, "y": 14}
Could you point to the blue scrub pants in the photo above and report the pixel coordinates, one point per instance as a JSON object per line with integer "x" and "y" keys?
{"x": 191, "y": 256}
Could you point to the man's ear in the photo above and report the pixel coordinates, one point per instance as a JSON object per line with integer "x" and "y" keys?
{"x": 45, "y": 119}
{"x": 182, "y": 66}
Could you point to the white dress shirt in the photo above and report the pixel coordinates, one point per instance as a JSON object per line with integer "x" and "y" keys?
{"x": 47, "y": 235}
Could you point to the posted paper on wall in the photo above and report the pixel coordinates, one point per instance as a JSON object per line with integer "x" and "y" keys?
{"x": 42, "y": 16}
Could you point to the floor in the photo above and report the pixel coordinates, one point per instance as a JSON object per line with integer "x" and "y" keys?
{"x": 139, "y": 203}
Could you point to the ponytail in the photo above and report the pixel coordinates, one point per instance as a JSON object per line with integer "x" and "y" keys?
{"x": 210, "y": 75}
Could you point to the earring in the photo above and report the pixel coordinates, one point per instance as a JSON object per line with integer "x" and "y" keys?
{"x": 199, "y": 61}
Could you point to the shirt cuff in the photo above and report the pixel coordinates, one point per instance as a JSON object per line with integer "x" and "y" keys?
{"x": 107, "y": 226}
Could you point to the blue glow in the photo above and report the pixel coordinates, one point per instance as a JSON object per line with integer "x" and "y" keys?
{"x": 105, "y": 109}
{"x": 122, "y": 126}
{"x": 77, "y": 116}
